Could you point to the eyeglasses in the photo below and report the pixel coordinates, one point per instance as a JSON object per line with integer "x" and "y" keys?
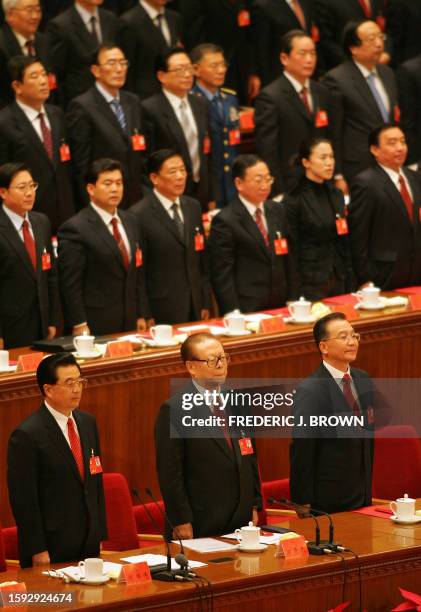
{"x": 24, "y": 187}
{"x": 263, "y": 180}
{"x": 218, "y": 65}
{"x": 181, "y": 70}
{"x": 373, "y": 37}
{"x": 344, "y": 337}
{"x": 112, "y": 64}
{"x": 71, "y": 384}
{"x": 213, "y": 362}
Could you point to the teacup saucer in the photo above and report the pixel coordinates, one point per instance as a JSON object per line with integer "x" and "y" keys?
{"x": 257, "y": 548}
{"x": 94, "y": 581}
{"x": 156, "y": 344}
{"x": 10, "y": 368}
{"x": 243, "y": 332}
{"x": 408, "y": 521}
{"x": 299, "y": 320}
{"x": 382, "y": 303}
{"x": 92, "y": 355}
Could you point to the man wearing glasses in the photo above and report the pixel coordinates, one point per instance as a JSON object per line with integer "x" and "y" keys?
{"x": 252, "y": 266}
{"x": 331, "y": 470}
{"x": 29, "y": 300}
{"x": 55, "y": 474}
{"x": 210, "y": 485}
{"x": 108, "y": 122}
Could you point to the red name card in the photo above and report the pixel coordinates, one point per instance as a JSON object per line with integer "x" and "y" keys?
{"x": 247, "y": 120}
{"x": 271, "y": 326}
{"x": 293, "y": 548}
{"x": 348, "y": 310}
{"x": 7, "y": 594}
{"x": 135, "y": 573}
{"x": 415, "y": 301}
{"x": 30, "y": 362}
{"x": 119, "y": 348}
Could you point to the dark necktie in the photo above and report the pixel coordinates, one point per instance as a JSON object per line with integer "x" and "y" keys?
{"x": 366, "y": 8}
{"x": 217, "y": 105}
{"x": 119, "y": 113}
{"x": 30, "y": 48}
{"x": 224, "y": 428}
{"x": 94, "y": 31}
{"x": 406, "y": 197}
{"x": 259, "y": 222}
{"x": 192, "y": 140}
{"x": 305, "y": 100}
{"x": 29, "y": 243}
{"x": 349, "y": 396}
{"x": 120, "y": 243}
{"x": 177, "y": 219}
{"x": 299, "y": 13}
{"x": 76, "y": 447}
{"x": 46, "y": 136}
{"x": 159, "y": 22}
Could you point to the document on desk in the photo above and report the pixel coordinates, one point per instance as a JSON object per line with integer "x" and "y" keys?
{"x": 206, "y": 545}
{"x": 269, "y": 539}
{"x": 152, "y": 560}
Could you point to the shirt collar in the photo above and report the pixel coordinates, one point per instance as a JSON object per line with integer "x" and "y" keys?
{"x": 208, "y": 94}
{"x": 166, "y": 203}
{"x": 152, "y": 12}
{"x": 16, "y": 219}
{"x": 85, "y": 15}
{"x": 105, "y": 216}
{"x": 60, "y": 417}
{"x": 364, "y": 71}
{"x": 174, "y": 100}
{"x": 30, "y": 112}
{"x": 337, "y": 374}
{"x": 296, "y": 84}
{"x": 22, "y": 40}
{"x": 251, "y": 207}
{"x": 392, "y": 174}
{"x": 108, "y": 97}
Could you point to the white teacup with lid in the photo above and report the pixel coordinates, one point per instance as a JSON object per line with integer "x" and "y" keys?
{"x": 403, "y": 508}
{"x": 249, "y": 536}
{"x": 300, "y": 310}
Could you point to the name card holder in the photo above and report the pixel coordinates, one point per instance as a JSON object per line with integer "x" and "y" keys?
{"x": 135, "y": 573}
{"x": 293, "y": 547}
{"x": 272, "y": 325}
{"x": 30, "y": 362}
{"x": 415, "y": 301}
{"x": 8, "y": 593}
{"x": 119, "y": 348}
{"x": 348, "y": 310}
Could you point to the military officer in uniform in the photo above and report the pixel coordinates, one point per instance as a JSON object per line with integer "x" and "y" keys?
{"x": 210, "y": 69}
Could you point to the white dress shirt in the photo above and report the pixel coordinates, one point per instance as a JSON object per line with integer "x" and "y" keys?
{"x": 108, "y": 97}
{"x": 86, "y": 17}
{"x": 107, "y": 218}
{"x": 33, "y": 117}
{"x": 338, "y": 376}
{"x": 17, "y": 221}
{"x": 298, "y": 87}
{"x": 252, "y": 210}
{"x": 167, "y": 204}
{"x": 22, "y": 42}
{"x": 379, "y": 84}
{"x": 175, "y": 102}
{"x": 153, "y": 14}
{"x": 394, "y": 177}
{"x": 62, "y": 421}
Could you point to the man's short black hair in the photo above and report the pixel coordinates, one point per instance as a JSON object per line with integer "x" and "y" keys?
{"x": 287, "y": 39}
{"x": 99, "y": 166}
{"x": 47, "y": 369}
{"x": 9, "y": 171}
{"x": 188, "y": 348}
{"x": 104, "y": 47}
{"x": 158, "y": 159}
{"x": 320, "y": 328}
{"x": 242, "y": 163}
{"x": 374, "y": 136}
{"x": 199, "y": 52}
{"x": 18, "y": 65}
{"x": 162, "y": 62}
{"x": 350, "y": 36}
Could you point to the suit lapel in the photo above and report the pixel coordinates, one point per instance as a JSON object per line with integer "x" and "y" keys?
{"x": 325, "y": 216}
{"x": 250, "y": 225}
{"x": 10, "y": 234}
{"x": 39, "y": 246}
{"x": 293, "y": 98}
{"x": 174, "y": 127}
{"x": 164, "y": 218}
{"x": 55, "y": 134}
{"x": 57, "y": 438}
{"x": 188, "y": 227}
{"x": 24, "y": 126}
{"x": 12, "y": 45}
{"x": 364, "y": 90}
{"x": 105, "y": 110}
{"x": 393, "y": 194}
{"x": 416, "y": 199}
{"x": 99, "y": 229}
{"x": 80, "y": 30}
{"x": 128, "y": 115}
{"x": 198, "y": 116}
{"x": 131, "y": 235}
{"x": 84, "y": 441}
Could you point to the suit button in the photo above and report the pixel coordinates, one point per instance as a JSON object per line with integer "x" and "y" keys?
{"x": 226, "y": 155}
{"x": 225, "y": 129}
{"x": 225, "y": 142}
{"x": 226, "y": 168}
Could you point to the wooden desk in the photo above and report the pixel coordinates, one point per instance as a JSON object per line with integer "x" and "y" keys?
{"x": 125, "y": 394}
{"x": 390, "y": 557}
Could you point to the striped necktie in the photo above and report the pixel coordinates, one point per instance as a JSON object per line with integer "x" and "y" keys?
{"x": 76, "y": 447}
{"x": 119, "y": 113}
{"x": 191, "y": 139}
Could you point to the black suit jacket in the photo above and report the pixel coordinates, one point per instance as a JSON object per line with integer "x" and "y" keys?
{"x": 176, "y": 274}
{"x": 95, "y": 132}
{"x": 167, "y": 133}
{"x": 53, "y": 508}
{"x": 71, "y": 46}
{"x": 282, "y": 124}
{"x": 245, "y": 273}
{"x": 202, "y": 480}
{"x": 10, "y": 47}
{"x": 332, "y": 17}
{"x": 19, "y": 142}
{"x": 409, "y": 84}
{"x": 29, "y": 301}
{"x": 403, "y": 21}
{"x": 94, "y": 284}
{"x": 331, "y": 471}
{"x": 358, "y": 112}
{"x": 143, "y": 43}
{"x": 321, "y": 253}
{"x": 386, "y": 246}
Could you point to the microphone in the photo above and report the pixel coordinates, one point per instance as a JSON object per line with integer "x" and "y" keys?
{"x": 318, "y": 547}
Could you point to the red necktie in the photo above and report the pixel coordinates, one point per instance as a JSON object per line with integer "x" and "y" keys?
{"x": 30, "y": 48}
{"x": 259, "y": 222}
{"x": 406, "y": 197}
{"x": 29, "y": 243}
{"x": 224, "y": 427}
{"x": 120, "y": 243}
{"x": 349, "y": 396}
{"x": 46, "y": 136}
{"x": 366, "y": 8}
{"x": 76, "y": 447}
{"x": 305, "y": 100}
{"x": 299, "y": 13}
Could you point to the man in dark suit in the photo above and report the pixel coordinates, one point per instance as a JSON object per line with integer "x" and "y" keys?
{"x": 292, "y": 109}
{"x": 228, "y": 24}
{"x": 251, "y": 265}
{"x": 72, "y": 38}
{"x": 331, "y": 468}
{"x": 148, "y": 31}
{"x": 108, "y": 122}
{"x": 100, "y": 260}
{"x": 19, "y": 35}
{"x": 403, "y": 26}
{"x": 180, "y": 120}
{"x": 209, "y": 485}
{"x": 34, "y": 132}
{"x": 408, "y": 77}
{"x": 29, "y": 300}
{"x": 55, "y": 474}
{"x": 333, "y": 15}
{"x": 384, "y": 215}
{"x": 172, "y": 235}
{"x": 366, "y": 93}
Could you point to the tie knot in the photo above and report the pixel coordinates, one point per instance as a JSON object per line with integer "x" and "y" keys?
{"x": 258, "y": 212}
{"x": 70, "y": 423}
{"x": 93, "y": 20}
{"x": 304, "y": 90}
{"x": 25, "y": 224}
{"x": 114, "y": 222}
{"x": 346, "y": 377}
{"x": 174, "y": 207}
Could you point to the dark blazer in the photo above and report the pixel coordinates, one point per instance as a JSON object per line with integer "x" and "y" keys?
{"x": 19, "y": 142}
{"x": 409, "y": 85}
{"x": 29, "y": 299}
{"x": 245, "y": 273}
{"x": 51, "y": 8}
{"x": 358, "y": 112}
{"x": 177, "y": 281}
{"x": 331, "y": 472}
{"x": 202, "y": 480}
{"x": 95, "y": 132}
{"x": 332, "y": 17}
{"x": 386, "y": 246}
{"x": 53, "y": 508}
{"x": 71, "y": 46}
{"x": 143, "y": 43}
{"x": 403, "y": 25}
{"x": 94, "y": 284}
{"x": 282, "y": 124}
{"x": 167, "y": 133}
{"x": 323, "y": 256}
{"x": 10, "y": 47}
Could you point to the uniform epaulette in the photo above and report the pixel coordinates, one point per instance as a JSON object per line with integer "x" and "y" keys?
{"x": 229, "y": 91}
